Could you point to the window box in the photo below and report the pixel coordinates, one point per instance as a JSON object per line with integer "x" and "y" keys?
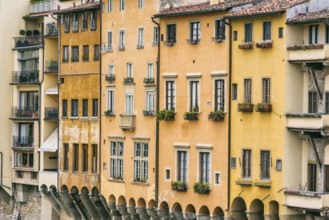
{"x": 243, "y": 182}
{"x": 305, "y": 47}
{"x": 166, "y": 115}
{"x": 217, "y": 39}
{"x": 246, "y": 46}
{"x": 264, "y": 44}
{"x": 216, "y": 116}
{"x": 121, "y": 48}
{"x": 140, "y": 46}
{"x": 128, "y": 80}
{"x": 193, "y": 42}
{"x": 245, "y": 107}
{"x": 260, "y": 183}
{"x": 169, "y": 43}
{"x": 179, "y": 186}
{"x": 191, "y": 115}
{"x": 109, "y": 113}
{"x": 263, "y": 107}
{"x": 149, "y": 80}
{"x": 149, "y": 112}
{"x": 201, "y": 188}
{"x": 140, "y": 180}
{"x": 110, "y": 78}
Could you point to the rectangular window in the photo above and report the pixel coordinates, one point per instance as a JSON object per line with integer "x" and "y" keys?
{"x": 110, "y": 102}
{"x": 182, "y": 166}
{"x": 280, "y": 32}
{"x": 65, "y": 54}
{"x": 219, "y": 95}
{"x": 140, "y": 41}
{"x": 195, "y": 31}
{"x": 247, "y": 90}
{"x": 150, "y": 101}
{"x": 246, "y": 163}
{"x": 94, "y": 158}
{"x": 75, "y": 54}
{"x": 194, "y": 96}
{"x": 25, "y": 135}
{"x": 66, "y": 23}
{"x": 234, "y": 91}
{"x": 96, "y": 52}
{"x": 85, "y": 108}
{"x": 327, "y": 103}
{"x": 129, "y": 70}
{"x": 248, "y": 33}
{"x": 111, "y": 70}
{"x": 171, "y": 33}
{"x": 267, "y": 30}
{"x": 95, "y": 108}
{"x": 109, "y": 41}
{"x": 23, "y": 159}
{"x": 85, "y": 55}
{"x": 116, "y": 160}
{"x": 75, "y": 22}
{"x": 204, "y": 158}
{"x": 66, "y": 157}
{"x": 141, "y": 162}
{"x": 155, "y": 36}
{"x": 85, "y": 157}
{"x": 110, "y": 5}
{"x": 121, "y": 39}
{"x": 235, "y": 35}
{"x": 85, "y": 21}
{"x": 311, "y": 177}
{"x": 150, "y": 70}
{"x": 312, "y": 102}
{"x": 129, "y": 104}
{"x": 313, "y": 34}
{"x": 170, "y": 95}
{"x": 266, "y": 90}
{"x": 29, "y": 102}
{"x": 327, "y": 33}
{"x": 233, "y": 162}
{"x": 93, "y": 20}
{"x": 265, "y": 164}
{"x": 64, "y": 108}
{"x": 122, "y": 5}
{"x": 219, "y": 30}
{"x": 217, "y": 178}
{"x": 74, "y": 108}
{"x": 75, "y": 157}
{"x": 140, "y": 3}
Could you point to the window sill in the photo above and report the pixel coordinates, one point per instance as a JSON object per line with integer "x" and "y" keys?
{"x": 74, "y": 118}
{"x": 263, "y": 183}
{"x": 140, "y": 183}
{"x": 244, "y": 182}
{"x": 116, "y": 181}
{"x": 94, "y": 118}
{"x": 65, "y": 117}
{"x": 84, "y": 118}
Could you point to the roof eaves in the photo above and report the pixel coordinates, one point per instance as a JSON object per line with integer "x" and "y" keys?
{"x": 190, "y": 13}
{"x": 255, "y": 15}
{"x": 317, "y": 20}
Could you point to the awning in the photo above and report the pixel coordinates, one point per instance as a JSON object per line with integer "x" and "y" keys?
{"x": 50, "y": 145}
{"x": 52, "y": 90}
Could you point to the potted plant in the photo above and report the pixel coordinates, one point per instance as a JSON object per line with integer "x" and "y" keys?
{"x": 179, "y": 186}
{"x": 110, "y": 78}
{"x": 28, "y": 33}
{"x": 264, "y": 44}
{"x": 245, "y": 107}
{"x": 128, "y": 80}
{"x": 22, "y": 32}
{"x": 166, "y": 114}
{"x": 108, "y": 113}
{"x": 246, "y": 46}
{"x": 149, "y": 80}
{"x": 36, "y": 32}
{"x": 263, "y": 107}
{"x": 193, "y": 115}
{"x": 201, "y": 188}
{"x": 217, "y": 115}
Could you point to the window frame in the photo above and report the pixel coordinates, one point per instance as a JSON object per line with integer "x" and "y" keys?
{"x": 140, "y": 37}
{"x": 85, "y": 53}
{"x": 313, "y": 36}
{"x": 93, "y": 20}
{"x": 267, "y": 30}
{"x": 150, "y": 100}
{"x": 247, "y": 96}
{"x": 248, "y": 32}
{"x": 116, "y": 173}
{"x": 66, "y": 157}
{"x": 74, "y": 54}
{"x": 74, "y": 108}
{"x": 94, "y": 107}
{"x": 313, "y": 100}
{"x": 265, "y": 164}
{"x": 66, "y": 54}
{"x": 171, "y": 33}
{"x": 96, "y": 52}
{"x": 140, "y": 173}
{"x": 129, "y": 104}
{"x": 194, "y": 93}
{"x": 246, "y": 166}
{"x": 111, "y": 100}
{"x": 64, "y": 108}
{"x": 85, "y": 158}
{"x": 122, "y": 5}
{"x": 204, "y": 178}
{"x": 195, "y": 31}
{"x": 141, "y": 4}
{"x": 85, "y": 108}
{"x": 75, "y": 163}
{"x": 220, "y": 29}
{"x": 94, "y": 158}
{"x": 170, "y": 94}
{"x": 84, "y": 21}
{"x": 219, "y": 94}
{"x": 75, "y": 23}
{"x": 266, "y": 90}
{"x": 182, "y": 166}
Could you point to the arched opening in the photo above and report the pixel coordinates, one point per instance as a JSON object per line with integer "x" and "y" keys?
{"x": 85, "y": 191}
{"x": 163, "y": 209}
{"x": 111, "y": 204}
{"x": 95, "y": 191}
{"x": 74, "y": 190}
{"x": 141, "y": 203}
{"x": 218, "y": 213}
{"x": 177, "y": 211}
{"x": 274, "y": 210}
{"x": 204, "y": 212}
{"x": 64, "y": 188}
{"x": 256, "y": 210}
{"x": 190, "y": 212}
{"x": 122, "y": 201}
{"x": 131, "y": 206}
{"x": 122, "y": 206}
{"x": 151, "y": 208}
{"x": 43, "y": 188}
{"x": 151, "y": 204}
{"x": 141, "y": 209}
{"x": 238, "y": 209}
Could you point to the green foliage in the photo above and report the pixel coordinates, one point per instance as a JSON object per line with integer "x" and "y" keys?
{"x": 166, "y": 114}
{"x": 202, "y": 188}
{"x": 22, "y": 32}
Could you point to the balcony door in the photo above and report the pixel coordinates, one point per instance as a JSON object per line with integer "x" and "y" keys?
{"x": 29, "y": 100}
{"x": 311, "y": 177}
{"x": 25, "y": 134}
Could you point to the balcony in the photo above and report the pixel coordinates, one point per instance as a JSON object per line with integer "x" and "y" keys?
{"x": 51, "y": 30}
{"x": 23, "y": 42}
{"x": 26, "y": 77}
{"x": 127, "y": 122}
{"x": 25, "y": 112}
{"x": 51, "y": 113}
{"x": 307, "y": 121}
{"x": 51, "y": 66}
{"x": 43, "y": 6}
{"x": 22, "y": 141}
{"x": 301, "y": 53}
{"x": 306, "y": 199}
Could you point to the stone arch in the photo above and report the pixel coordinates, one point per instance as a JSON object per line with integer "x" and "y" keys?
{"x": 151, "y": 204}
{"x": 274, "y": 210}
{"x": 164, "y": 205}
{"x": 122, "y": 200}
{"x": 204, "y": 212}
{"x": 177, "y": 211}
{"x": 163, "y": 210}
{"x": 256, "y": 210}
{"x": 131, "y": 206}
{"x": 43, "y": 188}
{"x": 141, "y": 203}
{"x": 111, "y": 199}
{"x": 84, "y": 190}
{"x": 95, "y": 191}
{"x": 218, "y": 213}
{"x": 132, "y": 202}
{"x": 190, "y": 212}
{"x": 238, "y": 209}
{"x": 74, "y": 190}
{"x": 177, "y": 207}
{"x": 64, "y": 188}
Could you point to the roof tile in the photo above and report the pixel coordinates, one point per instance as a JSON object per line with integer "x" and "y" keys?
{"x": 316, "y": 16}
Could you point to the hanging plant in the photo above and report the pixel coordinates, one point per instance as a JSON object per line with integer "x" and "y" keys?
{"x": 36, "y": 32}
{"x": 28, "y": 33}
{"x": 22, "y": 32}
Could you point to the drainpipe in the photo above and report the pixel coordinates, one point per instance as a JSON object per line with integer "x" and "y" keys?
{"x": 58, "y": 88}
{"x": 157, "y": 121}
{"x": 100, "y": 104}
{"x": 2, "y": 171}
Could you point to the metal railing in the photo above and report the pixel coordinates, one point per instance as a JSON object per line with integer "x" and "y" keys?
{"x": 43, "y": 6}
{"x": 25, "y": 112}
{"x": 27, "y": 42}
{"x": 22, "y": 141}
{"x": 31, "y": 76}
{"x": 51, "y": 113}
{"x": 51, "y": 66}
{"x": 51, "y": 29}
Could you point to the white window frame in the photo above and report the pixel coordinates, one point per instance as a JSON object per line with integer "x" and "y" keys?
{"x": 110, "y": 6}
{"x": 122, "y": 5}
{"x": 210, "y": 165}
{"x": 111, "y": 100}
{"x": 150, "y": 100}
{"x": 220, "y": 178}
{"x": 129, "y": 104}
{"x": 141, "y": 159}
{"x": 190, "y": 95}
{"x": 173, "y": 105}
{"x": 111, "y": 70}
{"x": 75, "y": 22}
{"x": 109, "y": 41}
{"x": 177, "y": 165}
{"x": 165, "y": 174}
{"x": 150, "y": 70}
{"x": 140, "y": 3}
{"x": 129, "y": 70}
{"x": 122, "y": 38}
{"x": 155, "y": 35}
{"x": 116, "y": 158}
{"x": 218, "y": 76}
{"x": 140, "y": 37}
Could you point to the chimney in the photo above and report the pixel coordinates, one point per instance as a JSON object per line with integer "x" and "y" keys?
{"x": 215, "y": 2}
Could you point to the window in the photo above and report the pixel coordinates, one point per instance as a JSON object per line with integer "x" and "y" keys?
{"x": 150, "y": 70}
{"x": 66, "y": 157}
{"x": 64, "y": 108}
{"x": 266, "y": 90}
{"x": 149, "y": 101}
{"x": 110, "y": 101}
{"x": 247, "y": 90}
{"x": 312, "y": 102}
{"x": 85, "y": 157}
{"x": 110, "y": 5}
{"x": 182, "y": 166}
{"x": 85, "y": 21}
{"x": 278, "y": 165}
{"x": 65, "y": 54}
{"x": 170, "y": 95}
{"x": 74, "y": 108}
{"x": 75, "y": 54}
{"x": 116, "y": 160}
{"x": 313, "y": 34}
{"x": 267, "y": 30}
{"x": 327, "y": 34}
{"x": 29, "y": 101}
{"x": 233, "y": 162}
{"x": 140, "y": 41}
{"x": 219, "y": 94}
{"x": 155, "y": 36}
{"x": 171, "y": 33}
{"x": 129, "y": 70}
{"x": 109, "y": 41}
{"x": 121, "y": 40}
{"x": 25, "y": 135}
{"x": 246, "y": 163}
{"x": 111, "y": 70}
{"x": 327, "y": 103}
{"x": 66, "y": 23}
{"x": 141, "y": 162}
{"x": 280, "y": 32}
{"x": 94, "y": 158}
{"x": 129, "y": 104}
{"x": 248, "y": 33}
{"x": 219, "y": 30}
{"x": 96, "y": 52}
{"x": 75, "y": 22}
{"x": 85, "y": 108}
{"x": 194, "y": 96}
{"x": 204, "y": 176}
{"x": 265, "y": 163}
{"x": 122, "y": 5}
{"x": 195, "y": 32}
{"x": 75, "y": 157}
{"x": 167, "y": 173}
{"x": 234, "y": 91}
{"x": 311, "y": 177}
{"x": 95, "y": 108}
{"x": 93, "y": 20}
{"x": 140, "y": 3}
{"x": 85, "y": 55}
{"x": 23, "y": 159}
{"x": 217, "y": 178}
{"x": 235, "y": 35}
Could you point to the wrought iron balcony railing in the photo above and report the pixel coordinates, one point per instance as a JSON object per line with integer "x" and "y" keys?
{"x": 30, "y": 76}
{"x": 51, "y": 113}
{"x": 22, "y": 141}
{"x": 25, "y": 112}
{"x": 27, "y": 42}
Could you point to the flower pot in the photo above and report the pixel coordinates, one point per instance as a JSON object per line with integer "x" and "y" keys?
{"x": 245, "y": 107}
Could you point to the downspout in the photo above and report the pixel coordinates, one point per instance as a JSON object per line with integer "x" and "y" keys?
{"x": 156, "y": 194}
{"x": 58, "y": 88}
{"x": 100, "y": 103}
{"x": 2, "y": 171}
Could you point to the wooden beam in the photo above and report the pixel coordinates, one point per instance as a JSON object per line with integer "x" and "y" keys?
{"x": 310, "y": 70}
{"x": 316, "y": 152}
